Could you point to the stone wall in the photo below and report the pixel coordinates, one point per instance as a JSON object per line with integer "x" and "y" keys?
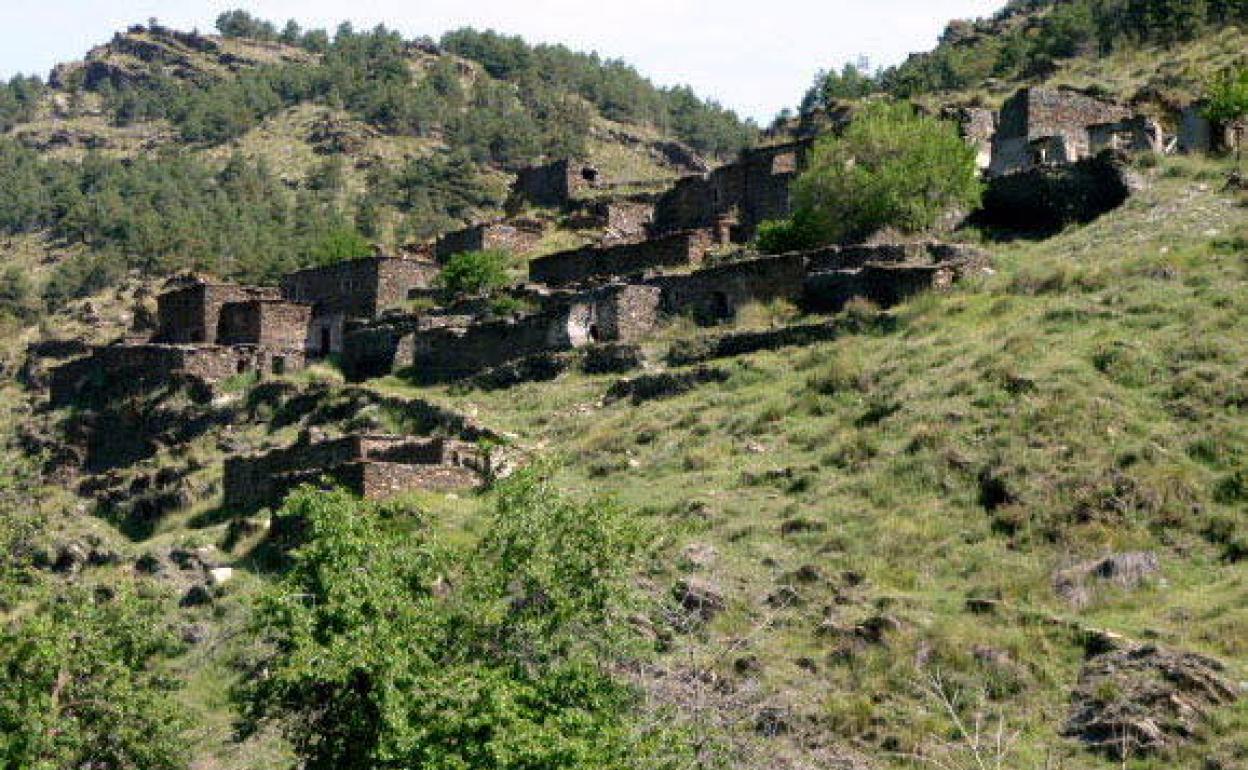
{"x": 717, "y": 293}
{"x": 554, "y": 185}
{"x": 116, "y": 371}
{"x": 191, "y": 312}
{"x": 1136, "y": 134}
{"x": 617, "y": 313}
{"x": 374, "y": 467}
{"x": 746, "y": 193}
{"x": 978, "y": 126}
{"x": 358, "y": 288}
{"x": 512, "y": 238}
{"x": 271, "y": 323}
{"x": 579, "y": 265}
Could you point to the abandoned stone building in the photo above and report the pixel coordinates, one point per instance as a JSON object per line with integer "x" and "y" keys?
{"x": 374, "y": 467}
{"x": 516, "y": 237}
{"x": 613, "y": 313}
{"x": 1043, "y": 126}
{"x": 270, "y": 323}
{"x": 189, "y": 310}
{"x": 676, "y": 250}
{"x": 359, "y": 288}
{"x": 718, "y": 293}
{"x": 734, "y": 200}
{"x": 554, "y": 185}
{"x": 113, "y": 371}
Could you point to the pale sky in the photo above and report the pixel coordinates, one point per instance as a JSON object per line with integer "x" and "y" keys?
{"x": 755, "y": 56}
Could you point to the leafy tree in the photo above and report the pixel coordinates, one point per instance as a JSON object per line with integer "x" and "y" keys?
{"x": 338, "y": 245}
{"x": 1227, "y": 103}
{"x": 831, "y": 86}
{"x": 78, "y": 687}
{"x": 891, "y": 168}
{"x": 239, "y": 23}
{"x": 389, "y": 651}
{"x": 475, "y": 272}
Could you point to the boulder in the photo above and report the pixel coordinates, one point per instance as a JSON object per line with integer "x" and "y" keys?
{"x": 1125, "y": 570}
{"x": 700, "y": 596}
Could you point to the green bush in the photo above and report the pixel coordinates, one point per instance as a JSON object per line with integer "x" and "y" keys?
{"x": 891, "y": 168}
{"x": 475, "y": 273}
{"x": 390, "y": 651}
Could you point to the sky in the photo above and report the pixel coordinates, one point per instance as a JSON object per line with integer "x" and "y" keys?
{"x": 755, "y": 56}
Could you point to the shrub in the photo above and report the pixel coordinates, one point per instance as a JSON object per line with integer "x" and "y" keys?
{"x": 475, "y": 272}
{"x": 376, "y": 664}
{"x": 892, "y": 168}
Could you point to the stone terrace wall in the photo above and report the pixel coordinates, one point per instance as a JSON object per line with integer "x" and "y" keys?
{"x": 272, "y": 323}
{"x": 579, "y": 265}
{"x": 852, "y": 257}
{"x": 717, "y": 293}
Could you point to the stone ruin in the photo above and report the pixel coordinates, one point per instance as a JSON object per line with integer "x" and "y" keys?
{"x": 372, "y": 466}
{"x": 210, "y": 331}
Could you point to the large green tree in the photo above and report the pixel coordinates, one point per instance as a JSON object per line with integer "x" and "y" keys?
{"x": 390, "y": 651}
{"x": 892, "y": 168}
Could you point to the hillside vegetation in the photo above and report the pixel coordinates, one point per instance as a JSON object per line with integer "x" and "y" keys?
{"x": 999, "y": 526}
{"x": 252, "y": 153}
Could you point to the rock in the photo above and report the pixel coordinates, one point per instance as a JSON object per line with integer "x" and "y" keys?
{"x": 700, "y": 596}
{"x": 220, "y": 575}
{"x": 70, "y": 558}
{"x": 198, "y": 596}
{"x": 785, "y": 597}
{"x": 1137, "y": 700}
{"x": 195, "y": 633}
{"x": 748, "y": 665}
{"x": 698, "y": 555}
{"x": 1125, "y": 570}
{"x": 772, "y": 722}
{"x": 876, "y": 629}
{"x": 808, "y": 574}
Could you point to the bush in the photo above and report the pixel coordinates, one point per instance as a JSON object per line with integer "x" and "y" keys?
{"x": 377, "y": 665}
{"x": 475, "y": 272}
{"x": 892, "y": 168}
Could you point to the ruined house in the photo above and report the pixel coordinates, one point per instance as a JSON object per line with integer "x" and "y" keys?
{"x": 189, "y": 311}
{"x": 1138, "y": 133}
{"x": 271, "y": 323}
{"x": 734, "y": 200}
{"x": 359, "y": 288}
{"x": 718, "y": 293}
{"x": 373, "y": 467}
{"x": 114, "y": 371}
{"x": 614, "y": 313}
{"x": 1043, "y": 126}
{"x": 554, "y": 185}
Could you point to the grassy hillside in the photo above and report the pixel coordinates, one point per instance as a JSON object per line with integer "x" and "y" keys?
{"x": 886, "y": 515}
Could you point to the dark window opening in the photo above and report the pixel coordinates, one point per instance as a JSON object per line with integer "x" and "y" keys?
{"x": 594, "y": 334}
{"x": 326, "y": 339}
{"x": 589, "y": 174}
{"x": 279, "y": 365}
{"x": 242, "y": 366}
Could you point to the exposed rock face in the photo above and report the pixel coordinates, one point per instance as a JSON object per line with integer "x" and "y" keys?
{"x": 1138, "y": 700}
{"x": 1127, "y": 570}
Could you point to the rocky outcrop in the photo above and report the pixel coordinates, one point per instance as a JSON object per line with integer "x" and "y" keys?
{"x": 1135, "y": 700}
